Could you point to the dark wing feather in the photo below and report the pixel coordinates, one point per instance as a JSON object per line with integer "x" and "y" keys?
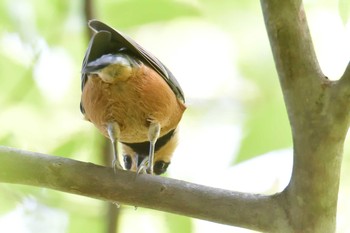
{"x": 117, "y": 42}
{"x": 97, "y": 47}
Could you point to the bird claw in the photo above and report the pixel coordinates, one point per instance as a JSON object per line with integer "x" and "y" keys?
{"x": 116, "y": 166}
{"x": 144, "y": 167}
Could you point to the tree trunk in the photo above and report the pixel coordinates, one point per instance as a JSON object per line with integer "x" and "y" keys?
{"x": 318, "y": 111}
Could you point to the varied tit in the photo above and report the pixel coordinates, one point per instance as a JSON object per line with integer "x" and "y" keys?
{"x": 132, "y": 98}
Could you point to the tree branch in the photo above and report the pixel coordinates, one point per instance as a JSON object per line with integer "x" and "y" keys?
{"x": 314, "y": 111}
{"x": 290, "y": 41}
{"x": 346, "y": 76}
{"x": 341, "y": 93}
{"x": 252, "y": 211}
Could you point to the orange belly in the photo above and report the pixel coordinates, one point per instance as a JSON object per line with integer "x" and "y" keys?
{"x": 133, "y": 103}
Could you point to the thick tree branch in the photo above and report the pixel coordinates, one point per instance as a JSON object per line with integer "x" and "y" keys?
{"x": 341, "y": 93}
{"x": 290, "y": 40}
{"x": 253, "y": 211}
{"x": 315, "y": 112}
{"x": 346, "y": 76}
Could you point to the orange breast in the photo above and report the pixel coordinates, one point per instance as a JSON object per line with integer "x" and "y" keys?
{"x": 132, "y": 103}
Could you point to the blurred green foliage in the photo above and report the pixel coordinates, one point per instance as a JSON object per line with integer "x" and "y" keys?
{"x": 344, "y": 10}
{"x": 32, "y": 119}
{"x": 135, "y": 13}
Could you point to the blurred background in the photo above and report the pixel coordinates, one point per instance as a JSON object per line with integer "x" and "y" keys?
{"x": 235, "y": 133}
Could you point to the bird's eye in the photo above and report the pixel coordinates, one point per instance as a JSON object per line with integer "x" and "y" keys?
{"x": 127, "y": 162}
{"x": 160, "y": 167}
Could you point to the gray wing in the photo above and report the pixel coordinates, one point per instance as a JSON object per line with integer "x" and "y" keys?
{"x": 108, "y": 40}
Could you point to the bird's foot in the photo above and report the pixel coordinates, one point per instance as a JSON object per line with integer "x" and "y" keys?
{"x": 143, "y": 167}
{"x": 116, "y": 166}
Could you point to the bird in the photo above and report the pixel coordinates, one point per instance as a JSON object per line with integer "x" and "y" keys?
{"x": 132, "y": 98}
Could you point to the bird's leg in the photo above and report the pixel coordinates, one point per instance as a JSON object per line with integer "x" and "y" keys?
{"x": 113, "y": 133}
{"x": 153, "y": 135}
